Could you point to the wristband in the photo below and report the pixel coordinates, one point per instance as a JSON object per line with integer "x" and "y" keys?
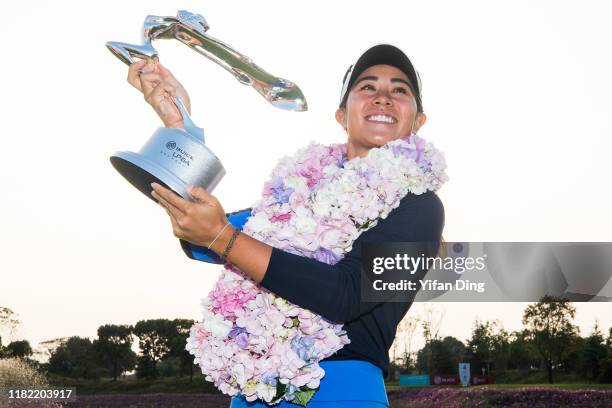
{"x": 229, "y": 245}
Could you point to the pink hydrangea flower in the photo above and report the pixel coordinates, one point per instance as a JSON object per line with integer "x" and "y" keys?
{"x": 315, "y": 204}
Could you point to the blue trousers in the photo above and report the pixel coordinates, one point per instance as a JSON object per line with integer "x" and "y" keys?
{"x": 347, "y": 383}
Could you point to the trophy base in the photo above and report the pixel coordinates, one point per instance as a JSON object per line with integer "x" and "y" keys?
{"x": 141, "y": 172}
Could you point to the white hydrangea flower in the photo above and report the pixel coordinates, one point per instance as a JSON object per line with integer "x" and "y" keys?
{"x": 260, "y": 223}
{"x": 218, "y": 326}
{"x": 344, "y": 200}
{"x": 297, "y": 183}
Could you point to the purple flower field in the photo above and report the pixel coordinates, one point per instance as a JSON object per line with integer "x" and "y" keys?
{"x": 151, "y": 400}
{"x": 529, "y": 397}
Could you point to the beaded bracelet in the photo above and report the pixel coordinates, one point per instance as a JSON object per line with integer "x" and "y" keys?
{"x": 229, "y": 245}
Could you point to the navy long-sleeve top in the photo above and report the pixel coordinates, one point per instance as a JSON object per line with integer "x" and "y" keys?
{"x": 334, "y": 291}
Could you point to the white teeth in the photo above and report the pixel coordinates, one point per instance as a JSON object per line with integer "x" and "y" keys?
{"x": 380, "y": 118}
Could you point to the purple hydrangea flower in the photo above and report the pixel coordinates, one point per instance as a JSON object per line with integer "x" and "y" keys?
{"x": 325, "y": 255}
{"x": 270, "y": 378}
{"x": 236, "y": 331}
{"x": 304, "y": 347}
{"x": 278, "y": 190}
{"x": 407, "y": 151}
{"x": 242, "y": 340}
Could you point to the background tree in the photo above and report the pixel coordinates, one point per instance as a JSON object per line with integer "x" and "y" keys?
{"x": 446, "y": 355}
{"x": 549, "y": 327}
{"x": 9, "y": 322}
{"x": 519, "y": 352}
{"x": 606, "y": 375}
{"x": 430, "y": 323}
{"x": 74, "y": 359}
{"x": 594, "y": 355}
{"x": 501, "y": 347}
{"x": 572, "y": 360}
{"x": 402, "y": 352}
{"x": 480, "y": 346}
{"x": 456, "y": 352}
{"x": 19, "y": 348}
{"x": 154, "y": 342}
{"x": 114, "y": 349}
{"x": 177, "y": 344}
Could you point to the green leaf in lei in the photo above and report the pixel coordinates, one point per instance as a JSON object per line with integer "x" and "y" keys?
{"x": 280, "y": 391}
{"x": 303, "y": 396}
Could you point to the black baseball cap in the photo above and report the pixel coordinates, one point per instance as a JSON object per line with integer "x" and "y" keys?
{"x": 382, "y": 54}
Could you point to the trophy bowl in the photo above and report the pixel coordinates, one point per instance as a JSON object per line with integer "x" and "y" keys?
{"x": 172, "y": 157}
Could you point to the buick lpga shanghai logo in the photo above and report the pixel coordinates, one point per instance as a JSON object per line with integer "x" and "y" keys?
{"x": 178, "y": 155}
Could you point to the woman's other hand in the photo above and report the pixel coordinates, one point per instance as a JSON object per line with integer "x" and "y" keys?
{"x": 197, "y": 222}
{"x": 159, "y": 88}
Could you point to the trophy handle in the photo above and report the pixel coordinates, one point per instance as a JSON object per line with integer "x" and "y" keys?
{"x": 188, "y": 124}
{"x": 280, "y": 92}
{"x": 190, "y": 29}
{"x": 127, "y": 52}
{"x": 153, "y": 27}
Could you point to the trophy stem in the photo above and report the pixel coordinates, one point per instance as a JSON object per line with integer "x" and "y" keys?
{"x": 188, "y": 124}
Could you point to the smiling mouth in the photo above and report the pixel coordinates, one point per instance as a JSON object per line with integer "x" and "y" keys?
{"x": 381, "y": 118}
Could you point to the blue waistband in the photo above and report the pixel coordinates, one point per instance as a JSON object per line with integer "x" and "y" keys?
{"x": 355, "y": 380}
{"x": 348, "y": 381}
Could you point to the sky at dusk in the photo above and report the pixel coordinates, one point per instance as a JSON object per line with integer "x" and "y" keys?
{"x": 517, "y": 96}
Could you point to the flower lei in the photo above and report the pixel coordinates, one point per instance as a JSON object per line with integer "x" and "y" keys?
{"x": 315, "y": 204}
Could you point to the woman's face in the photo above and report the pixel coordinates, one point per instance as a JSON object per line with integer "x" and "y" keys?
{"x": 380, "y": 107}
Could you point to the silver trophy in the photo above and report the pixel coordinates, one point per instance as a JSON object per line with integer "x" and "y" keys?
{"x": 177, "y": 158}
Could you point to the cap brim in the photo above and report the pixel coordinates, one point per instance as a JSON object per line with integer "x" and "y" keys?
{"x": 383, "y": 54}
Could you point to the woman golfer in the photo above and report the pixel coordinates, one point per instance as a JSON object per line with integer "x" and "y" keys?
{"x": 286, "y": 322}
